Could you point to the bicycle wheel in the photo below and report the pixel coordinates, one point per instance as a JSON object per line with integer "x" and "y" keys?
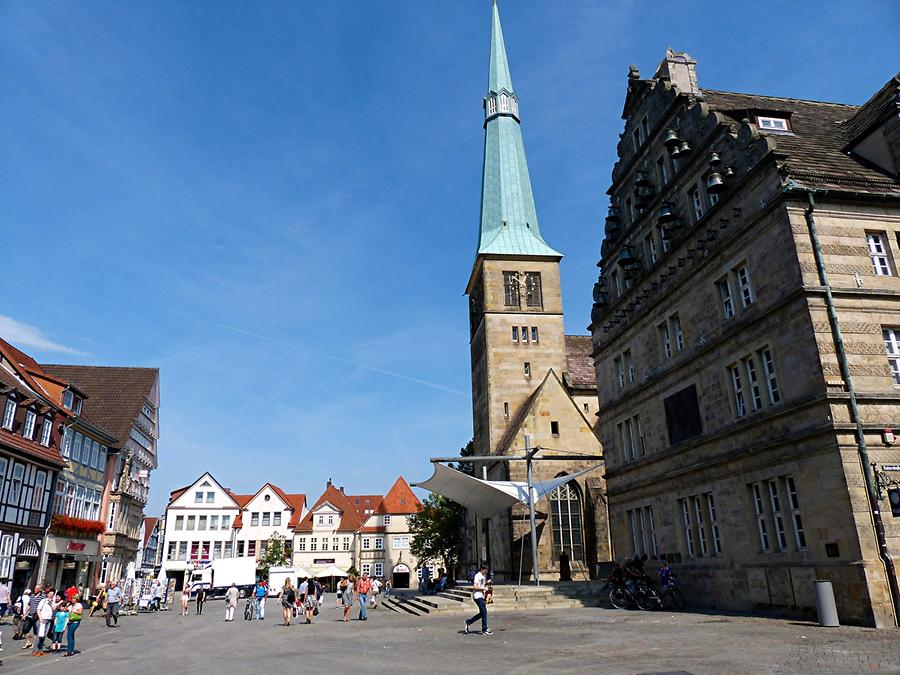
{"x": 677, "y": 599}
{"x": 647, "y": 599}
{"x": 618, "y": 598}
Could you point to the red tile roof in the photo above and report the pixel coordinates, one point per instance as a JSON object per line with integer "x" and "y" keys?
{"x": 24, "y": 364}
{"x": 350, "y": 518}
{"x": 363, "y": 503}
{"x": 16, "y": 441}
{"x": 149, "y": 525}
{"x": 400, "y": 499}
{"x": 372, "y": 529}
{"x": 114, "y": 394}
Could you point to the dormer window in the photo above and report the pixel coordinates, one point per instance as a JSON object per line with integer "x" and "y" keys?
{"x": 9, "y": 413}
{"x": 72, "y": 401}
{"x": 46, "y": 430}
{"x": 491, "y": 105}
{"x": 773, "y": 123}
{"x": 504, "y": 103}
{"x": 30, "y": 423}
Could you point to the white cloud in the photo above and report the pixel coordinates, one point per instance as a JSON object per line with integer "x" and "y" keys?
{"x": 22, "y": 335}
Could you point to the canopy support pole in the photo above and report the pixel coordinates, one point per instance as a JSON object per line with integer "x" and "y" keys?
{"x": 529, "y": 453}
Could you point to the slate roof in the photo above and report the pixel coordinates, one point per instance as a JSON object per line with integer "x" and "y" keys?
{"x": 114, "y": 394}
{"x": 816, "y": 150}
{"x": 579, "y": 363}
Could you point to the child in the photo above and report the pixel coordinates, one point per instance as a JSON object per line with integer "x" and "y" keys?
{"x": 489, "y": 592}
{"x": 59, "y": 626}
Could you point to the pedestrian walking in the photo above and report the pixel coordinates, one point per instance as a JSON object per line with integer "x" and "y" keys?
{"x": 45, "y": 611}
{"x": 376, "y": 589}
{"x": 231, "y": 601}
{"x": 310, "y": 602}
{"x": 29, "y": 629}
{"x": 113, "y": 601}
{"x": 260, "y": 592}
{"x": 363, "y": 586}
{"x": 156, "y": 595}
{"x": 5, "y": 597}
{"x": 388, "y": 587}
{"x": 288, "y": 600}
{"x": 479, "y": 587}
{"x": 75, "y": 613}
{"x": 185, "y": 598}
{"x": 201, "y": 598}
{"x": 345, "y": 592}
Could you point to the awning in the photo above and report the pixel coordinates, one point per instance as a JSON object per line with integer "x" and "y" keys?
{"x": 330, "y": 572}
{"x": 489, "y": 497}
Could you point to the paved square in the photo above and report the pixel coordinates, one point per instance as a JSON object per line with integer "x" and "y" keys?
{"x": 589, "y": 640}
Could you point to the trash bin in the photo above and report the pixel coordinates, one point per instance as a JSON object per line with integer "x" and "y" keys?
{"x": 825, "y": 607}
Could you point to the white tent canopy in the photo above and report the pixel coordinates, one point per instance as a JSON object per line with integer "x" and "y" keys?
{"x": 489, "y": 497}
{"x": 302, "y": 572}
{"x": 331, "y": 572}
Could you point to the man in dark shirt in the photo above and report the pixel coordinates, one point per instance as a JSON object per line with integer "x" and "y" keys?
{"x": 31, "y": 622}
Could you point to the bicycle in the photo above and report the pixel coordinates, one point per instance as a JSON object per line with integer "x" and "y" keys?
{"x": 644, "y": 596}
{"x": 671, "y": 596}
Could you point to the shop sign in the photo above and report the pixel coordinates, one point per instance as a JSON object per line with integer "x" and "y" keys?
{"x": 890, "y": 467}
{"x": 75, "y": 546}
{"x": 323, "y": 561}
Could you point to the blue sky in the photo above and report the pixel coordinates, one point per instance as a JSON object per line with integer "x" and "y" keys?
{"x": 276, "y": 203}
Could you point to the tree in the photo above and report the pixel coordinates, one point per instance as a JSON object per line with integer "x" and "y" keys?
{"x": 467, "y": 451}
{"x": 278, "y": 554}
{"x": 436, "y": 531}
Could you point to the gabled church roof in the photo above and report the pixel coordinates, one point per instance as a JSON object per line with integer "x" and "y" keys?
{"x": 509, "y": 223}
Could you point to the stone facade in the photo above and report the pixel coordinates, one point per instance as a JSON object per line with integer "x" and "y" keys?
{"x": 730, "y": 444}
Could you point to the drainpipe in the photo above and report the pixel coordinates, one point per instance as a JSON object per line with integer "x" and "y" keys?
{"x": 863, "y": 451}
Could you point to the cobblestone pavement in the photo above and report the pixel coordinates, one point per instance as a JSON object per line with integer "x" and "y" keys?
{"x": 525, "y": 641}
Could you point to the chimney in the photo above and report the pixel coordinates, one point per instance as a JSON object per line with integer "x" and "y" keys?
{"x": 329, "y": 483}
{"x": 681, "y": 70}
{"x": 342, "y": 489}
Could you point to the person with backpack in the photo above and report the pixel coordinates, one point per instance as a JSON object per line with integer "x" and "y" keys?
{"x": 288, "y": 597}
{"x": 363, "y": 586}
{"x": 260, "y": 593}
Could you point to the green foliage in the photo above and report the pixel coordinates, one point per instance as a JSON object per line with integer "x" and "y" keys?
{"x": 353, "y": 571}
{"x": 277, "y": 554}
{"x": 467, "y": 451}
{"x": 436, "y": 531}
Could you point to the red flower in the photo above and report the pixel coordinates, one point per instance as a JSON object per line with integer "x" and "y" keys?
{"x": 81, "y": 525}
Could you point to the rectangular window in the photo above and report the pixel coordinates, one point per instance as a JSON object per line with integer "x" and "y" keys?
{"x": 524, "y": 334}
{"x": 511, "y": 289}
{"x": 506, "y": 408}
{"x": 331, "y": 519}
{"x": 662, "y": 170}
{"x": 301, "y": 543}
{"x": 675, "y": 323}
{"x": 182, "y": 550}
{"x": 9, "y": 414}
{"x": 527, "y": 369}
{"x": 713, "y": 198}
{"x": 379, "y": 569}
{"x": 794, "y": 504}
{"x": 777, "y": 516}
{"x": 629, "y": 365}
{"x": 76, "y": 449}
{"x": 725, "y": 297}
{"x": 400, "y": 543}
{"x": 645, "y": 128}
{"x": 210, "y": 496}
{"x": 191, "y": 522}
{"x": 226, "y": 522}
{"x": 387, "y": 520}
{"x": 638, "y": 435}
{"x": 254, "y": 519}
{"x": 629, "y": 209}
{"x": 665, "y": 241}
{"x": 696, "y": 203}
{"x": 251, "y": 549}
{"x": 346, "y": 546}
{"x": 113, "y": 508}
{"x": 616, "y": 283}
{"x": 892, "y": 347}
{"x": 266, "y": 519}
{"x": 687, "y": 530}
{"x": 37, "y": 500}
{"x": 762, "y": 528}
{"x": 714, "y": 524}
{"x": 15, "y": 486}
{"x": 744, "y": 287}
{"x": 198, "y": 497}
{"x": 737, "y": 391}
{"x": 769, "y": 372}
{"x": 533, "y": 293}
{"x": 701, "y": 528}
{"x": 30, "y": 424}
{"x": 665, "y": 340}
{"x": 620, "y": 372}
{"x": 379, "y": 543}
{"x": 173, "y": 550}
{"x": 650, "y": 247}
{"x": 534, "y": 334}
{"x": 632, "y": 522}
{"x": 753, "y": 384}
{"x": 636, "y": 137}
{"x": 201, "y": 523}
{"x": 620, "y": 427}
{"x": 276, "y": 519}
{"x": 366, "y": 543}
{"x": 214, "y": 522}
{"x": 554, "y": 427}
{"x": 366, "y": 568}
{"x": 515, "y": 333}
{"x": 772, "y": 123}
{"x": 228, "y": 550}
{"x": 217, "y": 550}
{"x": 683, "y": 419}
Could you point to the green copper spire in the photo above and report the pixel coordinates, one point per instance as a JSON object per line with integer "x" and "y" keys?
{"x": 509, "y": 223}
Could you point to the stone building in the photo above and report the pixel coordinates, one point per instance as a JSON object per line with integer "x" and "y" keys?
{"x": 746, "y": 332}
{"x": 528, "y": 377}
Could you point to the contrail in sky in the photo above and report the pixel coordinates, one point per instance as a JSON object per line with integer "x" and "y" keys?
{"x": 340, "y": 359}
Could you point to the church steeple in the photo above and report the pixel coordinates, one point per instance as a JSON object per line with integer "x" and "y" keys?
{"x": 509, "y": 223}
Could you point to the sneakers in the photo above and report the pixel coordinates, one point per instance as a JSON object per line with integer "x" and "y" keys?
{"x": 487, "y": 632}
{"x": 466, "y": 629}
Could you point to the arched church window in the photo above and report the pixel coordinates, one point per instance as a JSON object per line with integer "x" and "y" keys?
{"x": 492, "y": 105}
{"x": 565, "y": 516}
{"x": 504, "y": 103}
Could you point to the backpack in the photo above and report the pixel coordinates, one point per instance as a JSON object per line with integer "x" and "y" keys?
{"x": 290, "y": 597}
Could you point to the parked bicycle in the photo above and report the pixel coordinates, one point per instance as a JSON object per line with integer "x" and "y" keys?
{"x": 624, "y": 594}
{"x": 670, "y": 594}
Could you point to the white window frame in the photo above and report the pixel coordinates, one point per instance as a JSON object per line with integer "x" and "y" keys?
{"x": 696, "y": 202}
{"x": 650, "y": 247}
{"x": 9, "y": 413}
{"x": 628, "y": 361}
{"x": 534, "y": 334}
{"x": 492, "y": 105}
{"x": 198, "y": 497}
{"x": 675, "y": 322}
{"x": 701, "y": 528}
{"x": 879, "y": 254}
{"x": 276, "y": 519}
{"x": 768, "y": 361}
{"x": 214, "y": 522}
{"x": 515, "y": 334}
{"x": 523, "y": 335}
{"x": 768, "y": 123}
{"x": 379, "y": 567}
{"x": 666, "y": 339}
{"x": 726, "y": 297}
{"x": 777, "y": 514}
{"x": 796, "y": 518}
{"x": 745, "y": 288}
{"x": 686, "y": 524}
{"x": 737, "y": 388}
{"x": 892, "y": 347}
{"x": 29, "y": 424}
{"x": 756, "y": 402}
{"x": 714, "y": 523}
{"x": 762, "y": 528}
{"x": 387, "y": 520}
{"x": 620, "y": 372}
{"x": 379, "y": 544}
{"x": 504, "y": 103}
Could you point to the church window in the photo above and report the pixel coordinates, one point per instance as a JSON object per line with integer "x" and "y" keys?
{"x": 492, "y": 105}
{"x": 524, "y": 334}
{"x": 533, "y": 295}
{"x": 506, "y": 408}
{"x": 585, "y": 407}
{"x": 511, "y": 289}
{"x": 565, "y": 515}
{"x": 534, "y": 334}
{"x": 527, "y": 369}
{"x": 554, "y": 427}
{"x": 515, "y": 333}
{"x": 504, "y": 103}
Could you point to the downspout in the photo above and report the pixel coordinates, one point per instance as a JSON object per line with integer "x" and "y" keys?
{"x": 863, "y": 451}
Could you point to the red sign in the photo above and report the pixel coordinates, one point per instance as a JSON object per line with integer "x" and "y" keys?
{"x": 75, "y": 546}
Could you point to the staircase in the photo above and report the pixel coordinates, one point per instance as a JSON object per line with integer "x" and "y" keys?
{"x": 556, "y": 595}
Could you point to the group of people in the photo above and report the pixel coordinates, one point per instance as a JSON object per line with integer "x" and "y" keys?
{"x": 44, "y": 613}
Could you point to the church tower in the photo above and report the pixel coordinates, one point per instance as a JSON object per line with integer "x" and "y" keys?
{"x": 516, "y": 315}
{"x": 529, "y": 379}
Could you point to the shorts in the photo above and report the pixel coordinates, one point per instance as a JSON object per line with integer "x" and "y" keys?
{"x": 310, "y": 603}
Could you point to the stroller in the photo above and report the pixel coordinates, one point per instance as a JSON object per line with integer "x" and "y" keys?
{"x": 249, "y": 610}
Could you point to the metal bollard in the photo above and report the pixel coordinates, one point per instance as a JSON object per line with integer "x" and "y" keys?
{"x": 825, "y": 607}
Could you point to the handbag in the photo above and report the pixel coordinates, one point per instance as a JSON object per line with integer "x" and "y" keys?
{"x": 315, "y": 611}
